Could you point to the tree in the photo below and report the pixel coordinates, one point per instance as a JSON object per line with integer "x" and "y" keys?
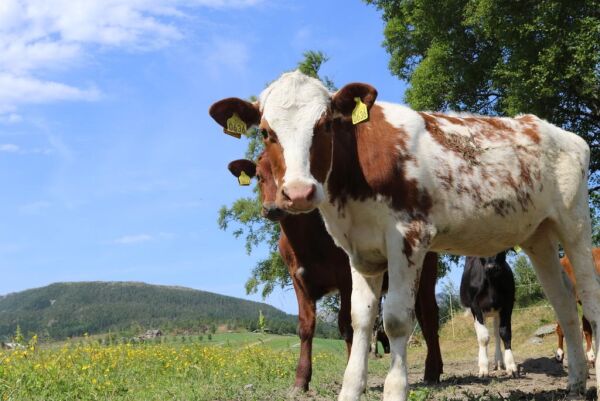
{"x": 18, "y": 338}
{"x": 448, "y": 301}
{"x": 501, "y": 57}
{"x": 261, "y": 321}
{"x": 269, "y": 272}
{"x": 528, "y": 289}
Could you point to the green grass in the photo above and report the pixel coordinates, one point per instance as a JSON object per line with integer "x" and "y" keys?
{"x": 230, "y": 366}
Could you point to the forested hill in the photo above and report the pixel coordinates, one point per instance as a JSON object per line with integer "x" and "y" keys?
{"x": 67, "y": 309}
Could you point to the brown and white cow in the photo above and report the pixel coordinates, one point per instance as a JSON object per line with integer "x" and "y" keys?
{"x": 587, "y": 328}
{"x": 317, "y": 267}
{"x": 402, "y": 183}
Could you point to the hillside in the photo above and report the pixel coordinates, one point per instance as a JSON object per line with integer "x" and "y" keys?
{"x": 66, "y": 309}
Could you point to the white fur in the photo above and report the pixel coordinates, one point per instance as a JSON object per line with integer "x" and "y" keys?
{"x": 292, "y": 105}
{"x": 371, "y": 232}
{"x": 483, "y": 338}
{"x": 560, "y": 354}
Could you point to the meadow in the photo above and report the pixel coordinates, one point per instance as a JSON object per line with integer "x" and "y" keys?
{"x": 254, "y": 366}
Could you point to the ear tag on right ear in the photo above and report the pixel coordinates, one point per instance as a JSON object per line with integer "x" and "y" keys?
{"x": 360, "y": 112}
{"x": 235, "y": 126}
{"x": 517, "y": 248}
{"x": 244, "y": 179}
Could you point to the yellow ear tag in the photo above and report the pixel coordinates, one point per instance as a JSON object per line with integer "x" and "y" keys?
{"x": 517, "y": 248}
{"x": 235, "y": 126}
{"x": 244, "y": 179}
{"x": 360, "y": 112}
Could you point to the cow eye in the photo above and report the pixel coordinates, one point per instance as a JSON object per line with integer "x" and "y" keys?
{"x": 264, "y": 133}
{"x": 258, "y": 177}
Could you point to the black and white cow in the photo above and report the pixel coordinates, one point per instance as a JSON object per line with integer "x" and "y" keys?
{"x": 487, "y": 287}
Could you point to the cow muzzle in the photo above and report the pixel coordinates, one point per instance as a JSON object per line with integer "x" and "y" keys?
{"x": 299, "y": 197}
{"x": 272, "y": 212}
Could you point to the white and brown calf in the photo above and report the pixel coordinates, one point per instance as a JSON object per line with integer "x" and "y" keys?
{"x": 403, "y": 183}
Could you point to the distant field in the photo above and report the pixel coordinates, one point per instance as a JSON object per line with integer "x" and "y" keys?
{"x": 250, "y": 366}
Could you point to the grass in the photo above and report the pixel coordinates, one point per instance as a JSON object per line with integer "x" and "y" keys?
{"x": 231, "y": 366}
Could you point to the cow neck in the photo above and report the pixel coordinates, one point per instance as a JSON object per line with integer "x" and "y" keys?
{"x": 370, "y": 159}
{"x": 307, "y": 235}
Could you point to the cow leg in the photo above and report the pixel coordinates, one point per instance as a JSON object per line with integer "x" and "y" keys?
{"x": 498, "y": 359}
{"x": 306, "y": 331}
{"x": 505, "y": 330}
{"x": 344, "y": 319}
{"x": 428, "y": 317}
{"x": 578, "y": 247}
{"x": 587, "y": 334}
{"x": 560, "y": 353}
{"x": 398, "y": 317}
{"x": 365, "y": 296}
{"x": 542, "y": 249}
{"x": 483, "y": 338}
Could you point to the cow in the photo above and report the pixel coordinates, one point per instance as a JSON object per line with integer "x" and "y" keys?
{"x": 587, "y": 328}
{"x": 392, "y": 184}
{"x": 487, "y": 288}
{"x": 317, "y": 267}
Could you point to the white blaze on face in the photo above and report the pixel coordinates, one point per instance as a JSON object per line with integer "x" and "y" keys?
{"x": 292, "y": 105}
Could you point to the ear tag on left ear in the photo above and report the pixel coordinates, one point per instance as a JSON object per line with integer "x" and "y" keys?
{"x": 244, "y": 179}
{"x": 360, "y": 112}
{"x": 235, "y": 126}
{"x": 517, "y": 248}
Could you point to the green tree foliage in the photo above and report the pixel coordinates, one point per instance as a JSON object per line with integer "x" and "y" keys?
{"x": 500, "y": 57}
{"x": 528, "y": 289}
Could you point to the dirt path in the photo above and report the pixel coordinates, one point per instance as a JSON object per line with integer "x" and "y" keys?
{"x": 540, "y": 379}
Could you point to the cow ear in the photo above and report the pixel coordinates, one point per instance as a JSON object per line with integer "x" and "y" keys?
{"x": 235, "y": 115}
{"x": 352, "y": 99}
{"x": 243, "y": 169}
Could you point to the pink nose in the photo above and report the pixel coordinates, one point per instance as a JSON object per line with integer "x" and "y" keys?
{"x": 299, "y": 195}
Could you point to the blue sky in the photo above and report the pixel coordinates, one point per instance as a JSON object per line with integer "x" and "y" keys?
{"x": 110, "y": 166}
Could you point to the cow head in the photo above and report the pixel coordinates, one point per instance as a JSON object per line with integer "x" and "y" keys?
{"x": 494, "y": 262}
{"x": 295, "y": 117}
{"x": 266, "y": 184}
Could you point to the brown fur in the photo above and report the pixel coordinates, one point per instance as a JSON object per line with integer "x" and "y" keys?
{"x": 360, "y": 170}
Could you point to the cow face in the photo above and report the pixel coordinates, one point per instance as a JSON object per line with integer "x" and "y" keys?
{"x": 494, "y": 262}
{"x": 295, "y": 116}
{"x": 297, "y": 119}
{"x": 266, "y": 184}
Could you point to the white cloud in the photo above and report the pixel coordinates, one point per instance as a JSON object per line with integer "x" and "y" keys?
{"x": 9, "y": 148}
{"x": 44, "y": 35}
{"x": 134, "y": 239}
{"x": 141, "y": 238}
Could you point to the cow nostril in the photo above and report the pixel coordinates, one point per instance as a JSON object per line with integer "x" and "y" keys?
{"x": 284, "y": 194}
{"x": 311, "y": 192}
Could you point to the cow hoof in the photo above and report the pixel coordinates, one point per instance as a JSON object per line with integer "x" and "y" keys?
{"x": 295, "y": 391}
{"x": 499, "y": 366}
{"x": 591, "y": 357}
{"x": 483, "y": 373}
{"x": 560, "y": 355}
{"x": 576, "y": 389}
{"x": 514, "y": 372}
